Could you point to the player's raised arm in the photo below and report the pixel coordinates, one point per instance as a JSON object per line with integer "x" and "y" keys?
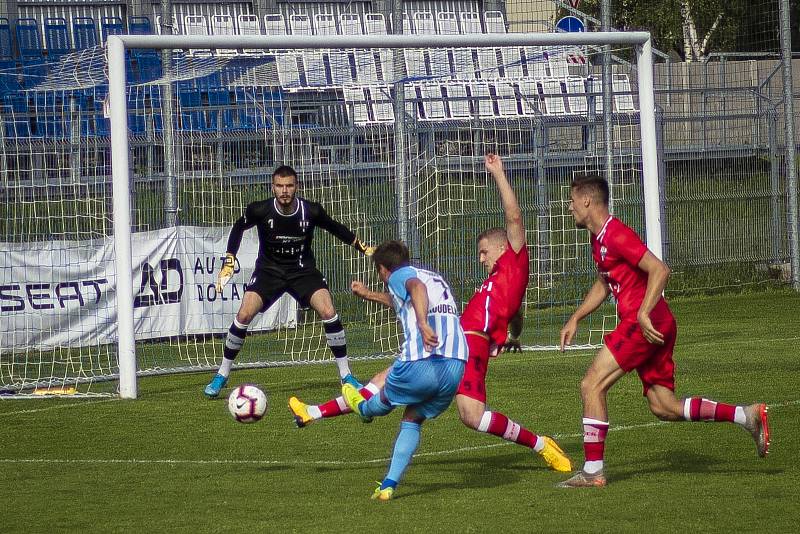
{"x": 515, "y": 229}
{"x": 593, "y": 299}
{"x": 360, "y": 290}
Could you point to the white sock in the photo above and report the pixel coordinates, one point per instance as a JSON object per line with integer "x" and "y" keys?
{"x": 344, "y": 367}
{"x": 539, "y": 444}
{"x": 314, "y": 412}
{"x": 225, "y": 367}
{"x": 593, "y": 467}
{"x": 738, "y": 416}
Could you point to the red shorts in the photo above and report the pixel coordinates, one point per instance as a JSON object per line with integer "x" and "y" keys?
{"x": 473, "y": 383}
{"x": 632, "y": 351}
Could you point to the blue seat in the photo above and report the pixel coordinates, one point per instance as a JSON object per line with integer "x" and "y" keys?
{"x": 56, "y": 37}
{"x": 139, "y": 26}
{"x": 84, "y": 32}
{"x": 6, "y": 44}
{"x": 111, "y": 26}
{"x": 29, "y": 42}
{"x": 9, "y": 77}
{"x": 34, "y": 71}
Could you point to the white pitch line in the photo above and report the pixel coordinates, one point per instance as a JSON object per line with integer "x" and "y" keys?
{"x": 170, "y": 461}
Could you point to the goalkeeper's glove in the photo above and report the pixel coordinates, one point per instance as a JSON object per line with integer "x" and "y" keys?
{"x": 226, "y": 272}
{"x": 366, "y": 250}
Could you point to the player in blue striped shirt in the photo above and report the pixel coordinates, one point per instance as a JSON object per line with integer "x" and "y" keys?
{"x": 428, "y": 370}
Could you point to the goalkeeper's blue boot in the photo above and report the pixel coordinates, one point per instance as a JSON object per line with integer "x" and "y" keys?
{"x": 217, "y": 383}
{"x": 350, "y": 379}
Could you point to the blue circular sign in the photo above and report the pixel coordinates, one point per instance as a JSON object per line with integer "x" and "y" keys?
{"x": 570, "y": 24}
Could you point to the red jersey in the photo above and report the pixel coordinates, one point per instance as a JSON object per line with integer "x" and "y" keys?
{"x": 499, "y": 297}
{"x": 617, "y": 251}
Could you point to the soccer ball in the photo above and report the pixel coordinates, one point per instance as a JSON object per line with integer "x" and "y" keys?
{"x": 247, "y": 403}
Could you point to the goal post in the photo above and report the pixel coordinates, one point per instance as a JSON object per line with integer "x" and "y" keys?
{"x": 118, "y": 44}
{"x": 124, "y": 170}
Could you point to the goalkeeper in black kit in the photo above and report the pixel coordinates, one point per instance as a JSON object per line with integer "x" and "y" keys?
{"x": 285, "y": 264}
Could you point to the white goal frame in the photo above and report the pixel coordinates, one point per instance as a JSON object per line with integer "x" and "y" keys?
{"x": 118, "y": 44}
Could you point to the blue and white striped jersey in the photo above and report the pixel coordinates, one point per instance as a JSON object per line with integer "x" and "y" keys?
{"x": 442, "y": 316}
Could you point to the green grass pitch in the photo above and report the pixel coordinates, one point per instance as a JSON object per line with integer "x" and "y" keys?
{"x": 173, "y": 461}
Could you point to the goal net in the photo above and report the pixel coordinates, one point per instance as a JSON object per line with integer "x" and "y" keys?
{"x": 389, "y": 140}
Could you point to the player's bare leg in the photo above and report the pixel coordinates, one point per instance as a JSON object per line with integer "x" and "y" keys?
{"x": 251, "y": 305}
{"x": 601, "y": 375}
{"x": 752, "y": 418}
{"x": 473, "y": 413}
{"x": 305, "y": 414}
{"x": 322, "y": 303}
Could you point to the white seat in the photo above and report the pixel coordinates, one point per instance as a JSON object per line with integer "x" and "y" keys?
{"x": 325, "y": 24}
{"x": 623, "y": 97}
{"x": 495, "y": 23}
{"x": 576, "y": 95}
{"x": 506, "y": 99}
{"x": 554, "y": 101}
{"x": 457, "y": 100}
{"x": 488, "y": 67}
{"x": 223, "y": 25}
{"x": 536, "y": 62}
{"x": 512, "y": 62}
{"x": 557, "y": 62}
{"x": 447, "y": 23}
{"x": 313, "y": 60}
{"x": 300, "y": 24}
{"x": 356, "y": 103}
{"x": 424, "y": 23}
{"x": 176, "y": 29}
{"x": 529, "y": 97}
{"x": 288, "y": 71}
{"x": 275, "y": 24}
{"x": 596, "y": 88}
{"x": 249, "y": 25}
{"x": 350, "y": 24}
{"x": 196, "y": 25}
{"x": 415, "y": 63}
{"x": 432, "y": 102}
{"x": 375, "y": 24}
{"x": 482, "y": 99}
{"x": 382, "y": 105}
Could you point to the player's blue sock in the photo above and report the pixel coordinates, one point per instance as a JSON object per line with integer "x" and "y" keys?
{"x": 388, "y": 483}
{"x": 404, "y": 447}
{"x": 375, "y": 407}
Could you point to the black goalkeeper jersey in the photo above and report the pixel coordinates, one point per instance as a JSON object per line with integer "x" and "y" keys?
{"x": 285, "y": 240}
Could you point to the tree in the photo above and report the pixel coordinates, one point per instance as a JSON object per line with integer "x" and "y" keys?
{"x": 693, "y": 29}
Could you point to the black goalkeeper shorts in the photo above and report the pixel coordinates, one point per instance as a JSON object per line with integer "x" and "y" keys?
{"x": 300, "y": 284}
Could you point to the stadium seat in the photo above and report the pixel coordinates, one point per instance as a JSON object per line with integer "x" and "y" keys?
{"x": 111, "y": 26}
{"x": 512, "y": 62}
{"x": 9, "y": 77}
{"x": 139, "y": 26}
{"x": 6, "y": 44}
{"x": 375, "y": 24}
{"x": 595, "y": 86}
{"x": 529, "y": 97}
{"x": 381, "y": 103}
{"x": 483, "y": 107}
{"x": 356, "y": 104}
{"x": 249, "y": 25}
{"x": 457, "y": 100}
{"x": 623, "y": 96}
{"x": 535, "y": 62}
{"x": 175, "y": 25}
{"x": 56, "y": 37}
{"x": 553, "y": 97}
{"x": 495, "y": 23}
{"x": 275, "y": 24}
{"x": 223, "y": 25}
{"x": 350, "y": 24}
{"x": 288, "y": 71}
{"x": 415, "y": 63}
{"x": 576, "y": 95}
{"x": 313, "y": 60}
{"x": 84, "y": 32}
{"x": 29, "y": 42}
{"x": 557, "y": 62}
{"x": 432, "y": 101}
{"x": 338, "y": 60}
{"x": 506, "y": 98}
{"x": 439, "y": 60}
{"x": 196, "y": 25}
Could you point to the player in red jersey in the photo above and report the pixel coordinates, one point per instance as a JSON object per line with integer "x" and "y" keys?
{"x": 643, "y": 340}
{"x": 485, "y": 320}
